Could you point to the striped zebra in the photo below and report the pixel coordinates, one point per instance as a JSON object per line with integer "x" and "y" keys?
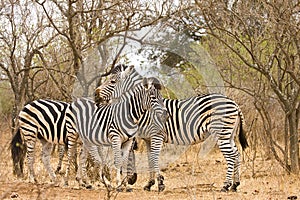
{"x": 52, "y": 122}
{"x": 119, "y": 122}
{"x": 191, "y": 121}
{"x": 43, "y": 119}
{"x": 84, "y": 110}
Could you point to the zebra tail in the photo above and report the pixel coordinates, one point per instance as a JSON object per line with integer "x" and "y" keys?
{"x": 242, "y": 137}
{"x": 18, "y": 152}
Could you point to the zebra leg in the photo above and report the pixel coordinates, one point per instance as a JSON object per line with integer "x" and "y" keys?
{"x": 131, "y": 168}
{"x": 154, "y": 148}
{"x": 98, "y": 158}
{"x": 128, "y": 160}
{"x": 81, "y": 175}
{"x": 96, "y": 153}
{"x": 71, "y": 155}
{"x": 236, "y": 178}
{"x": 116, "y": 143}
{"x": 229, "y": 152}
{"x": 74, "y": 160}
{"x": 31, "y": 158}
{"x": 61, "y": 150}
{"x": 151, "y": 181}
{"x": 46, "y": 150}
{"x": 156, "y": 144}
{"x": 125, "y": 148}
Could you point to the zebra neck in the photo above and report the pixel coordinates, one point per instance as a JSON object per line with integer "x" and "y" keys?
{"x": 128, "y": 113}
{"x": 131, "y": 81}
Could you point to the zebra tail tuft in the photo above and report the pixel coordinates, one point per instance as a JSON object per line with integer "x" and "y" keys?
{"x": 18, "y": 152}
{"x": 242, "y": 137}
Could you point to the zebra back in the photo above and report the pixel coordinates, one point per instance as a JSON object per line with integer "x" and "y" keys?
{"x": 188, "y": 117}
{"x": 50, "y": 119}
{"x": 51, "y": 122}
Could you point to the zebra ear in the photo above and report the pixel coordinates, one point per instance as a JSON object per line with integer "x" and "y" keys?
{"x": 157, "y": 84}
{"x": 116, "y": 69}
{"x": 126, "y": 71}
{"x": 145, "y": 83}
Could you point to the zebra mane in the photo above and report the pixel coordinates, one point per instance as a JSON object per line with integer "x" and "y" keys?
{"x": 125, "y": 78}
{"x": 142, "y": 85}
{"x": 119, "y": 68}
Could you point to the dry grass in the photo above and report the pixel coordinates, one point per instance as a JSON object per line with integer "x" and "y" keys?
{"x": 186, "y": 178}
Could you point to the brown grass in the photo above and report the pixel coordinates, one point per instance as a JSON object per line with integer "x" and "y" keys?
{"x": 186, "y": 178}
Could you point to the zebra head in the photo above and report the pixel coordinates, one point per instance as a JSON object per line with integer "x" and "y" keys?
{"x": 156, "y": 107}
{"x": 112, "y": 88}
{"x": 104, "y": 91}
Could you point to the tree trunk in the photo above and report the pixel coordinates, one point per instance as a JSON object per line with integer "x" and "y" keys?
{"x": 294, "y": 146}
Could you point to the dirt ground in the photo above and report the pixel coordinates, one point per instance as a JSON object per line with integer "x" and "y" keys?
{"x": 188, "y": 177}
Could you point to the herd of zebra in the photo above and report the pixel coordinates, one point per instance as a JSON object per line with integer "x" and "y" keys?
{"x": 127, "y": 106}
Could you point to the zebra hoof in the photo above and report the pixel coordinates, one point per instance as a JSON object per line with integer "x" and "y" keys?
{"x": 129, "y": 190}
{"x": 161, "y": 188}
{"x": 234, "y": 187}
{"x": 57, "y": 170}
{"x": 89, "y": 187}
{"x": 81, "y": 184}
{"x": 225, "y": 188}
{"x": 149, "y": 185}
{"x": 160, "y": 180}
{"x": 147, "y": 188}
{"x": 120, "y": 189}
{"x": 132, "y": 179}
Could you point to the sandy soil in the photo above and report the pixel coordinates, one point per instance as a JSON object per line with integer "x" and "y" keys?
{"x": 188, "y": 177}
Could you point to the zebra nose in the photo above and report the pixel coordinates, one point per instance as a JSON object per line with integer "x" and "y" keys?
{"x": 101, "y": 100}
{"x": 97, "y": 90}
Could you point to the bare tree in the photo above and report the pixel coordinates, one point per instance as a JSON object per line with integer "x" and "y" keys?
{"x": 263, "y": 42}
{"x": 43, "y": 59}
{"x": 89, "y": 24}
{"x": 20, "y": 42}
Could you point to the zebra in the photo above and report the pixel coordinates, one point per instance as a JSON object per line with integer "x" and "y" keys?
{"x": 52, "y": 122}
{"x": 84, "y": 109}
{"x": 43, "y": 119}
{"x": 190, "y": 121}
{"x": 118, "y": 122}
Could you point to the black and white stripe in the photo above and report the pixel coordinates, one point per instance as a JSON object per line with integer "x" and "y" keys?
{"x": 116, "y": 124}
{"x": 84, "y": 110}
{"x": 191, "y": 121}
{"x": 45, "y": 120}
{"x": 52, "y": 122}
